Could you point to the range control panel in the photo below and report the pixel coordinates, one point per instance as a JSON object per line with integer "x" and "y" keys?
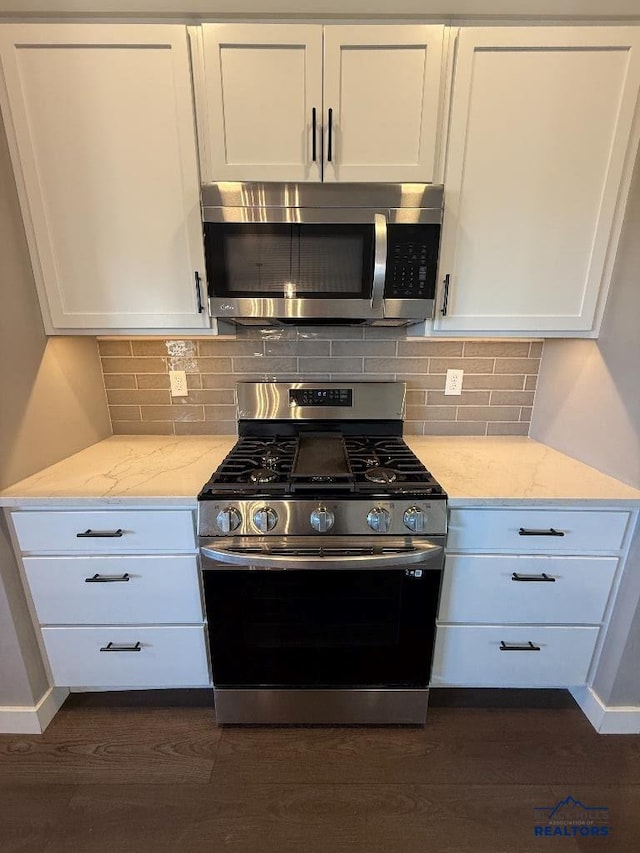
{"x": 320, "y": 397}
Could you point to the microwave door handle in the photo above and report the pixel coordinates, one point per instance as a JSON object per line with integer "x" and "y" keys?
{"x": 379, "y": 263}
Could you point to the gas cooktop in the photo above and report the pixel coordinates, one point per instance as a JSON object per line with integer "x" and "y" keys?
{"x": 321, "y": 463}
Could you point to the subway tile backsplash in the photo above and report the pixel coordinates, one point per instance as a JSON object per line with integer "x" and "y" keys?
{"x": 498, "y": 386}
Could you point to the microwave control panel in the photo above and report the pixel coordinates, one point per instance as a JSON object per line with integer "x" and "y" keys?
{"x": 412, "y": 259}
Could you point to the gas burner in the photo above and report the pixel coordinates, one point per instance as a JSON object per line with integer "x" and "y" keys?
{"x": 380, "y": 475}
{"x": 271, "y": 459}
{"x": 263, "y": 475}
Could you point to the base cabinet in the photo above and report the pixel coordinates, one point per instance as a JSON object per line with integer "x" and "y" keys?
{"x": 116, "y": 594}
{"x": 532, "y": 618}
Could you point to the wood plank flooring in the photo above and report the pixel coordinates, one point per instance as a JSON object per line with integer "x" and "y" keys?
{"x": 151, "y": 771}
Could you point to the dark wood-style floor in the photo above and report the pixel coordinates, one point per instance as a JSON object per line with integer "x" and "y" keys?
{"x": 131, "y": 773}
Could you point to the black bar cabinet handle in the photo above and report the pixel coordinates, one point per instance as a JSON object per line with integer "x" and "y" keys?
{"x": 330, "y": 142}
{"x": 518, "y": 647}
{"x": 108, "y": 578}
{"x": 199, "y": 293}
{"x": 118, "y": 647}
{"x": 100, "y": 534}
{"x": 314, "y": 153}
{"x": 550, "y": 532}
{"x": 541, "y": 578}
{"x": 445, "y": 297}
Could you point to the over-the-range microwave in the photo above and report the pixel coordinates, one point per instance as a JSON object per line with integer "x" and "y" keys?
{"x": 322, "y": 253}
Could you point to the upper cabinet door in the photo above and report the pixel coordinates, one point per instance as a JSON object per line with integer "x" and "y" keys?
{"x": 262, "y": 88}
{"x": 541, "y": 149}
{"x": 382, "y": 98}
{"x": 101, "y": 128}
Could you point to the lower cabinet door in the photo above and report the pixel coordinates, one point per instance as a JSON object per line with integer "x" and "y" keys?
{"x": 112, "y": 657}
{"x": 507, "y": 656}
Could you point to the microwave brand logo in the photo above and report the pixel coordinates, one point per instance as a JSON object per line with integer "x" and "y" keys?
{"x": 569, "y": 818}
{"x": 226, "y": 307}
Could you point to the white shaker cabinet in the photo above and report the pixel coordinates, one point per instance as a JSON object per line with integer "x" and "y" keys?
{"x": 260, "y": 87}
{"x": 115, "y": 595}
{"x": 382, "y": 85}
{"x": 540, "y": 152}
{"x": 101, "y": 128}
{"x": 297, "y": 102}
{"x": 525, "y": 594}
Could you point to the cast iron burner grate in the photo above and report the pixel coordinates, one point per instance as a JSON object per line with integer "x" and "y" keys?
{"x": 298, "y": 465}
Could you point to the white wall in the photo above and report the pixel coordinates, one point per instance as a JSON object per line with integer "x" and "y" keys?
{"x": 588, "y": 399}
{"x": 440, "y": 8}
{"x": 588, "y": 406}
{"x": 52, "y": 404}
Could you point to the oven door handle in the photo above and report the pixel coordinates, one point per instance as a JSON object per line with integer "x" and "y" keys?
{"x": 419, "y": 554}
{"x": 379, "y": 263}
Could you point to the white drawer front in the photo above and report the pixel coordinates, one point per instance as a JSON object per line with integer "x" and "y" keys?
{"x": 499, "y": 529}
{"x": 133, "y": 590}
{"x": 141, "y": 530}
{"x": 484, "y": 589}
{"x": 168, "y": 657}
{"x": 472, "y": 657}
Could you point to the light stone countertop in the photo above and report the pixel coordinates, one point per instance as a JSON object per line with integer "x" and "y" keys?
{"x": 170, "y": 471}
{"x": 145, "y": 470}
{"x": 509, "y": 470}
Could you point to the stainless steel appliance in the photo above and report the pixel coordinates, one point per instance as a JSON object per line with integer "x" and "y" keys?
{"x": 322, "y": 547}
{"x": 322, "y": 253}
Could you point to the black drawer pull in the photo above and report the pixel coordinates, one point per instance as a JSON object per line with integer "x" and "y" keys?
{"x": 100, "y": 534}
{"x": 119, "y": 647}
{"x": 518, "y": 647}
{"x": 542, "y": 578}
{"x": 550, "y": 532}
{"x": 108, "y": 578}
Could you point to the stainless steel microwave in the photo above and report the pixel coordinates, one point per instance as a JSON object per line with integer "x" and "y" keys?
{"x": 322, "y": 253}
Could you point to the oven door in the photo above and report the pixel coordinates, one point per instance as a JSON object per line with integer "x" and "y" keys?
{"x": 301, "y": 616}
{"x": 297, "y": 265}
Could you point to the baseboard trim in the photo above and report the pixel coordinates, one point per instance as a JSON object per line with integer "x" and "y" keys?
{"x": 32, "y": 720}
{"x": 607, "y": 719}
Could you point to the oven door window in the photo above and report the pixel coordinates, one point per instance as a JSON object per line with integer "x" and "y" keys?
{"x": 321, "y": 628}
{"x": 290, "y": 260}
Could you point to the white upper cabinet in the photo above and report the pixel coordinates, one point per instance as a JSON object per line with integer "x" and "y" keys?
{"x": 101, "y": 129}
{"x": 262, "y": 88}
{"x": 268, "y": 110}
{"x": 540, "y": 153}
{"x": 382, "y": 86}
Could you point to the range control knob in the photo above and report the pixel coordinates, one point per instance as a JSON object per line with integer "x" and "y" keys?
{"x": 228, "y": 519}
{"x": 414, "y": 518}
{"x": 265, "y": 519}
{"x": 322, "y": 519}
{"x": 379, "y": 519}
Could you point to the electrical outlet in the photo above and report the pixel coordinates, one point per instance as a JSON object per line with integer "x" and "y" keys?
{"x": 178, "y": 381}
{"x": 453, "y": 384}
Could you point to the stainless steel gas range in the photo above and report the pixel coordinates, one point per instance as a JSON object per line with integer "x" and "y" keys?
{"x": 322, "y": 547}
